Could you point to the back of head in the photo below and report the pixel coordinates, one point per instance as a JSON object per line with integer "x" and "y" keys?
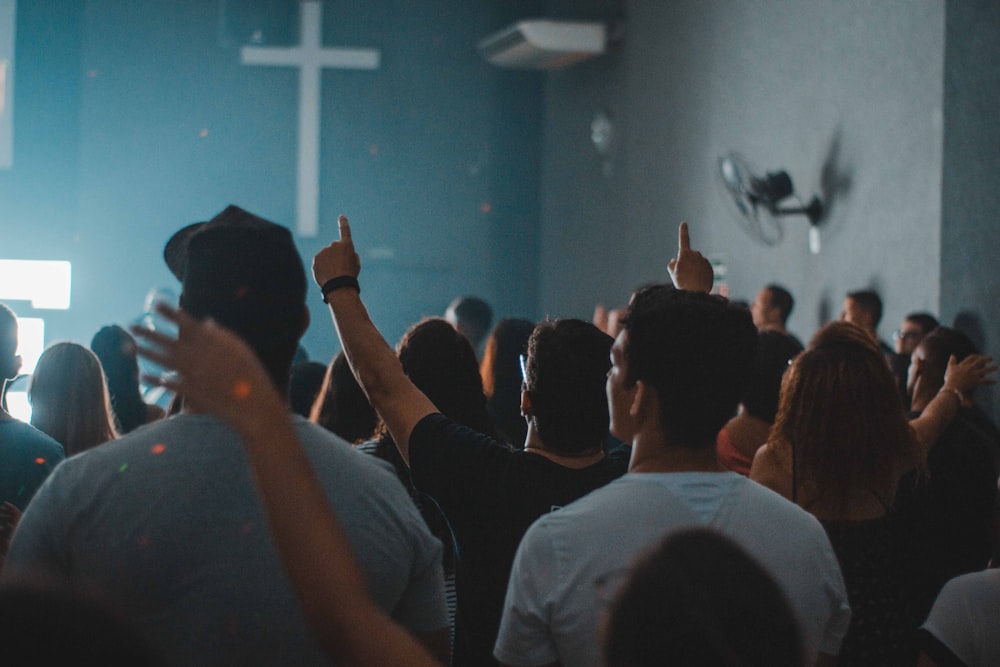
{"x": 870, "y": 302}
{"x": 441, "y": 363}
{"x": 568, "y": 362}
{"x": 695, "y": 350}
{"x": 782, "y": 300}
{"x": 840, "y": 413}
{"x": 941, "y": 344}
{"x": 69, "y": 398}
{"x": 8, "y": 344}
{"x": 341, "y": 405}
{"x": 245, "y": 273}
{"x": 472, "y": 316}
{"x": 925, "y": 321}
{"x": 699, "y": 599}
{"x": 775, "y": 352}
{"x": 117, "y": 352}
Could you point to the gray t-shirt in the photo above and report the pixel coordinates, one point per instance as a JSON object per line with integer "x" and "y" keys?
{"x": 552, "y": 611}
{"x": 167, "y": 525}
{"x": 966, "y": 618}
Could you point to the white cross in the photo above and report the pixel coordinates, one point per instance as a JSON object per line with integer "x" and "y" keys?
{"x": 310, "y": 57}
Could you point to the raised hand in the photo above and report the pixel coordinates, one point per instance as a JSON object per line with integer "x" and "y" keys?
{"x": 971, "y": 372}
{"x": 217, "y": 372}
{"x": 337, "y": 259}
{"x": 690, "y": 270}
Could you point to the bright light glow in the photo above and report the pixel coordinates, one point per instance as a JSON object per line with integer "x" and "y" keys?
{"x": 46, "y": 284}
{"x": 18, "y": 406}
{"x": 30, "y": 342}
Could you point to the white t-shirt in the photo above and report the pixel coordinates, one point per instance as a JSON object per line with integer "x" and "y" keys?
{"x": 966, "y": 618}
{"x": 167, "y": 525}
{"x": 552, "y": 610}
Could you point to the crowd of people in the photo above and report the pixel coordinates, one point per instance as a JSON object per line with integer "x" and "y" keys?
{"x": 680, "y": 481}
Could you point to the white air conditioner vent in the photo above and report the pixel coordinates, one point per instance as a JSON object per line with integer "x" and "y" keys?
{"x": 544, "y": 44}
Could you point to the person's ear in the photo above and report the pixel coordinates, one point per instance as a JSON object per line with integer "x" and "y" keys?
{"x": 525, "y": 403}
{"x": 641, "y": 394}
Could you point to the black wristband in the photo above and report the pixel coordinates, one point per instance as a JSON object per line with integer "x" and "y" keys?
{"x": 337, "y": 283}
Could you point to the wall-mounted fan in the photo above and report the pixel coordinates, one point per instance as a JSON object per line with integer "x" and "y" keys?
{"x": 757, "y": 198}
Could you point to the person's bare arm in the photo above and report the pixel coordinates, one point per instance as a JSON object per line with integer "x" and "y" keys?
{"x": 768, "y": 471}
{"x": 690, "y": 270}
{"x": 220, "y": 375}
{"x": 959, "y": 379}
{"x": 376, "y": 367}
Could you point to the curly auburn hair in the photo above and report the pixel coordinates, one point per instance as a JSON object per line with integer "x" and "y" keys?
{"x": 841, "y": 419}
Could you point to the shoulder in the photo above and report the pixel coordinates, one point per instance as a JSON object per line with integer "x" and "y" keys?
{"x": 441, "y": 446}
{"x": 437, "y": 430}
{"x": 27, "y": 438}
{"x": 770, "y": 469}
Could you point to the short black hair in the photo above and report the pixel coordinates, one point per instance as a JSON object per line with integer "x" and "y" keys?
{"x": 566, "y": 371}
{"x": 782, "y": 300}
{"x": 941, "y": 344}
{"x": 925, "y": 321}
{"x": 775, "y": 351}
{"x": 473, "y": 316}
{"x": 869, "y": 301}
{"x": 695, "y": 350}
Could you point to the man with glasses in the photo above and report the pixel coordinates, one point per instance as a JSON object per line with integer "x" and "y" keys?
{"x": 906, "y": 338}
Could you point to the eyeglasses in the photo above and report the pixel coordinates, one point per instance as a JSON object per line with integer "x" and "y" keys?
{"x": 899, "y": 334}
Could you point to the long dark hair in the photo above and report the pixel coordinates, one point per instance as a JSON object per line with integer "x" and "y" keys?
{"x": 840, "y": 418}
{"x": 116, "y": 350}
{"x": 341, "y": 406}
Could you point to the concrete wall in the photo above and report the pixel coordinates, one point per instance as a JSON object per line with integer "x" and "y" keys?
{"x": 844, "y": 95}
{"x": 970, "y": 196}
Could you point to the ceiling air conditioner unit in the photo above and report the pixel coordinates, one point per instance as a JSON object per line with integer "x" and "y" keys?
{"x": 544, "y": 44}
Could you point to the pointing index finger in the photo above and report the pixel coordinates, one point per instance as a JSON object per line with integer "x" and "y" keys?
{"x": 345, "y": 228}
{"x": 683, "y": 239}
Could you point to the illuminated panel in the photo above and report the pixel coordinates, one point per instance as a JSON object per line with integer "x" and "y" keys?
{"x": 18, "y": 406}
{"x": 46, "y": 284}
{"x": 7, "y": 11}
{"x": 30, "y": 342}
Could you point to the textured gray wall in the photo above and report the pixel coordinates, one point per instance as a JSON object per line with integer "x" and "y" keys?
{"x": 970, "y": 199}
{"x": 844, "y": 95}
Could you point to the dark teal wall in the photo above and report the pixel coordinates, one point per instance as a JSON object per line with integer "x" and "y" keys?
{"x": 135, "y": 118}
{"x": 39, "y": 196}
{"x": 970, "y": 189}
